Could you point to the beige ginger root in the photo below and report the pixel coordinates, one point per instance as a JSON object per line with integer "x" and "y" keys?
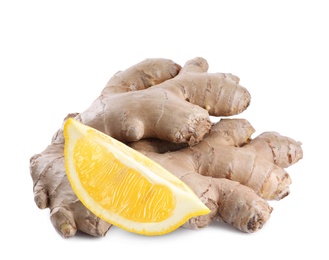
{"x": 158, "y": 99}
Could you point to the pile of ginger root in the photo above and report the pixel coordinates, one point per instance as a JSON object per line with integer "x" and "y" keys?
{"x": 164, "y": 111}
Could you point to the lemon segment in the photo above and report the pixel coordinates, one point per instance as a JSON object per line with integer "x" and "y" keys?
{"x": 124, "y": 187}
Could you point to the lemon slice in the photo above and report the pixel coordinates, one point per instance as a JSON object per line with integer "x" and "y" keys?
{"x": 124, "y": 187}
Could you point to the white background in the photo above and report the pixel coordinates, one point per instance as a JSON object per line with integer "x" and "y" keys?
{"x": 56, "y": 56}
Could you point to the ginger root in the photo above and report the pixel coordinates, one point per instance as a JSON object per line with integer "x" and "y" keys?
{"x": 162, "y": 109}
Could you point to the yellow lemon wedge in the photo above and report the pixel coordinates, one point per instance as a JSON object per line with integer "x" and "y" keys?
{"x": 122, "y": 186}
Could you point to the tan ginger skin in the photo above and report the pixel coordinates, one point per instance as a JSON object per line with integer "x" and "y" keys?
{"x": 162, "y": 109}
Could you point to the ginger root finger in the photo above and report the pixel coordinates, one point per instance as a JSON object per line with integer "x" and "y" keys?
{"x": 244, "y": 166}
{"x": 68, "y": 220}
{"x": 219, "y": 93}
{"x": 43, "y": 167}
{"x": 281, "y": 150}
{"x": 230, "y": 131}
{"x": 223, "y": 96}
{"x": 63, "y": 221}
{"x": 142, "y": 75}
{"x": 229, "y": 202}
{"x": 75, "y": 216}
{"x": 196, "y": 65}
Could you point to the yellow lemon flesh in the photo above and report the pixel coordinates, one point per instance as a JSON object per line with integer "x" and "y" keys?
{"x": 124, "y": 187}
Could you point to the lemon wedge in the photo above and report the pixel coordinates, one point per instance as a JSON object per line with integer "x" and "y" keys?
{"x": 122, "y": 186}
